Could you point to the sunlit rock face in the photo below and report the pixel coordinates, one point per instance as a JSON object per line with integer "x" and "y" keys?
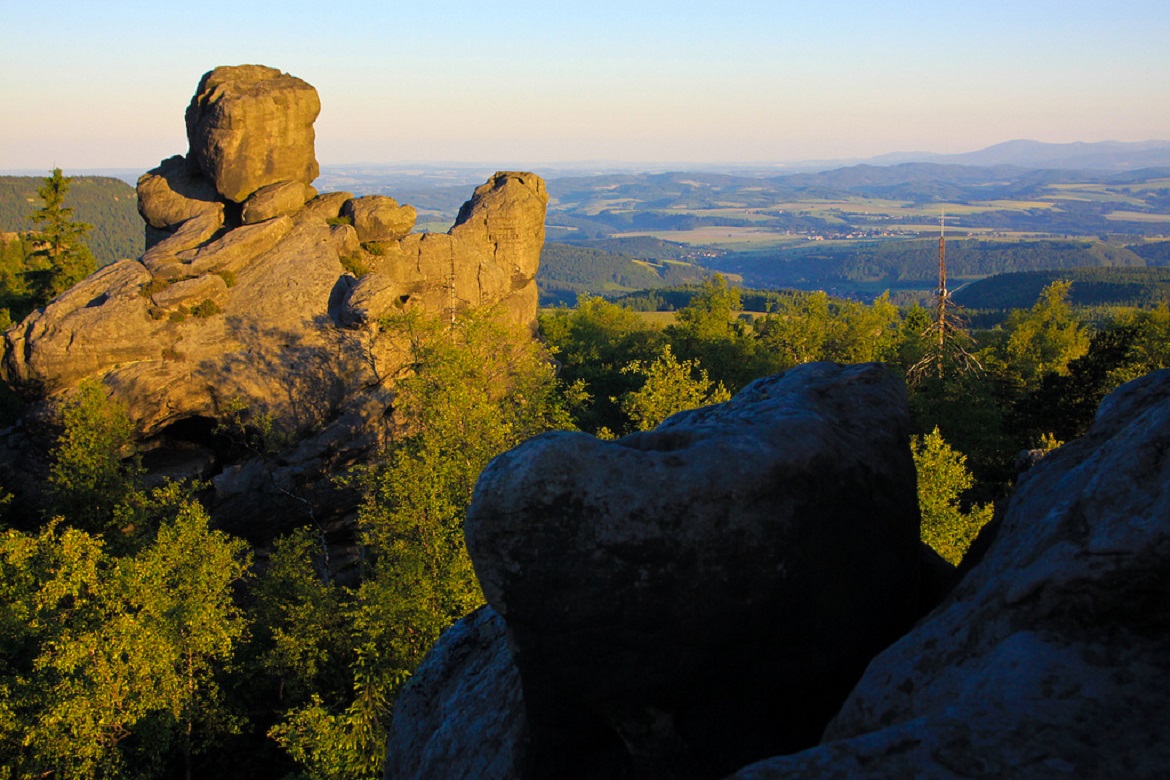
{"x": 250, "y": 126}
{"x": 249, "y": 297}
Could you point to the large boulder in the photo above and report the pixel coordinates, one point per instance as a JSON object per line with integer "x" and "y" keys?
{"x": 462, "y": 713}
{"x": 1051, "y": 659}
{"x": 683, "y": 601}
{"x": 250, "y": 126}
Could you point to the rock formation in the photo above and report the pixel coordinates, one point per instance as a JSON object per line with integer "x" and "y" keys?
{"x": 1051, "y": 658}
{"x": 682, "y": 601}
{"x": 257, "y": 293}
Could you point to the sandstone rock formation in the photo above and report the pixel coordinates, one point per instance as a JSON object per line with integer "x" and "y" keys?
{"x": 250, "y": 126}
{"x": 684, "y": 600}
{"x": 248, "y": 297}
{"x": 1052, "y": 657}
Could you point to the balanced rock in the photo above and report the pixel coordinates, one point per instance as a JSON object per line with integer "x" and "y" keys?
{"x": 1051, "y": 659}
{"x": 250, "y": 126}
{"x": 683, "y": 601}
{"x": 379, "y": 218}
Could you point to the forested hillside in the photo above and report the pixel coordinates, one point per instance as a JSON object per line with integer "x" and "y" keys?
{"x": 108, "y": 204}
{"x": 567, "y": 271}
{"x": 901, "y": 264}
{"x": 1132, "y": 287}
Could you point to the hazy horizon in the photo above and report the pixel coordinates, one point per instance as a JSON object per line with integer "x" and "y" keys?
{"x": 634, "y": 83}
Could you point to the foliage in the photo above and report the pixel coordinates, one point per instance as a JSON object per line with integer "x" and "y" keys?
{"x": 100, "y": 649}
{"x": 109, "y": 204}
{"x": 93, "y": 468}
{"x": 942, "y": 480}
{"x": 68, "y": 258}
{"x": 477, "y": 387}
{"x": 594, "y": 343}
{"x": 355, "y": 264}
{"x": 670, "y": 386}
{"x": 1045, "y": 339}
{"x": 708, "y": 329}
{"x": 207, "y": 308}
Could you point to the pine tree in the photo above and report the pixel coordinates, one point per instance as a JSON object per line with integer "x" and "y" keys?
{"x": 63, "y": 247}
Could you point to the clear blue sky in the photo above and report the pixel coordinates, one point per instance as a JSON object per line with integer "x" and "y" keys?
{"x": 91, "y": 84}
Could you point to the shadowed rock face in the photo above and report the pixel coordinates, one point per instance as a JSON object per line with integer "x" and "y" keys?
{"x": 685, "y": 600}
{"x": 1051, "y": 659}
{"x": 242, "y": 299}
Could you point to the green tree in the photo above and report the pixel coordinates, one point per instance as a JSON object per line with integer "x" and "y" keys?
{"x": 477, "y": 388}
{"x": 943, "y": 478}
{"x": 669, "y": 387}
{"x": 94, "y": 468}
{"x": 1046, "y": 338}
{"x": 68, "y": 258}
{"x": 594, "y": 342}
{"x": 102, "y": 650}
{"x": 708, "y": 330}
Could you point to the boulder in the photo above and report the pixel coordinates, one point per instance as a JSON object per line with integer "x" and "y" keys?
{"x": 173, "y": 193}
{"x": 250, "y": 126}
{"x": 284, "y": 199}
{"x": 683, "y": 601}
{"x": 461, "y": 714}
{"x": 1051, "y": 659}
{"x": 379, "y": 218}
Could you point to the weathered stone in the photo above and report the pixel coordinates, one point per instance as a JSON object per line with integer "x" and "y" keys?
{"x": 692, "y": 598}
{"x": 250, "y": 126}
{"x": 98, "y": 323}
{"x": 461, "y": 713}
{"x": 274, "y": 343}
{"x": 276, "y": 200}
{"x": 173, "y": 193}
{"x": 1051, "y": 659}
{"x": 192, "y": 233}
{"x": 379, "y": 218}
{"x": 506, "y": 213}
{"x": 325, "y": 206}
{"x": 237, "y": 248}
{"x": 372, "y": 296}
{"x": 191, "y": 291}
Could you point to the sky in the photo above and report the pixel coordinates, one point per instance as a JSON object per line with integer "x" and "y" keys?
{"x": 86, "y": 84}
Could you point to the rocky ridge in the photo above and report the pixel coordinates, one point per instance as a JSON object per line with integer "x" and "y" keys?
{"x": 258, "y": 295}
{"x": 1050, "y": 658}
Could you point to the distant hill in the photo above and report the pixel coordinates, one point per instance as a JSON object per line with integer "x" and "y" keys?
{"x": 1154, "y": 252}
{"x": 109, "y": 204}
{"x": 567, "y": 271}
{"x": 1098, "y": 156}
{"x": 905, "y": 264}
{"x": 1140, "y": 287}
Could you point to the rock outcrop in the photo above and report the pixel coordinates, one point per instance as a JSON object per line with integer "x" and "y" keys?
{"x": 250, "y": 126}
{"x": 1052, "y": 656}
{"x": 258, "y": 294}
{"x": 682, "y": 601}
